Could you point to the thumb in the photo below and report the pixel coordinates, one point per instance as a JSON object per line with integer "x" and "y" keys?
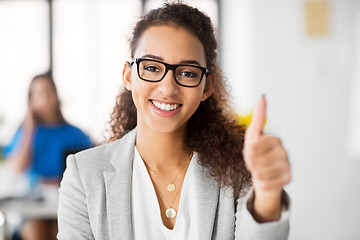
{"x": 255, "y": 129}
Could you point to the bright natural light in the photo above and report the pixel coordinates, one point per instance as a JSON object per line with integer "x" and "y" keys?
{"x": 24, "y": 52}
{"x": 90, "y": 48}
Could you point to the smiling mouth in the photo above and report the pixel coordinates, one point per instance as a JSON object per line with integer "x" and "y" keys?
{"x": 164, "y": 106}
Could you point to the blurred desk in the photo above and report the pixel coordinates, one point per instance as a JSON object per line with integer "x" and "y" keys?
{"x": 43, "y": 206}
{"x": 21, "y": 201}
{"x": 38, "y": 205}
{"x": 17, "y": 195}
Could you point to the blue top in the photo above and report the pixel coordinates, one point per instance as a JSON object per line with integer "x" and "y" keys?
{"x": 50, "y": 146}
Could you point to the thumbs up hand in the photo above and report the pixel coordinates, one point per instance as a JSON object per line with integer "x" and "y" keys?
{"x": 268, "y": 163}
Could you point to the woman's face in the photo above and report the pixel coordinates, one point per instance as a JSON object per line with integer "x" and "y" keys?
{"x": 43, "y": 100}
{"x": 172, "y": 45}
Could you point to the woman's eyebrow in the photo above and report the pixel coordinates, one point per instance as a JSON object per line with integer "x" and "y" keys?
{"x": 153, "y": 57}
{"x": 193, "y": 62}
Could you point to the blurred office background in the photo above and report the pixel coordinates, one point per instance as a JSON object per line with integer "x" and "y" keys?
{"x": 304, "y": 55}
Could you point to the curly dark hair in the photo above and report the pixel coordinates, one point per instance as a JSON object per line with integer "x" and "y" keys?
{"x": 212, "y": 130}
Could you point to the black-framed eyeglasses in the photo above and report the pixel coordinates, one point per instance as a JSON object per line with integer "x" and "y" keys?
{"x": 186, "y": 75}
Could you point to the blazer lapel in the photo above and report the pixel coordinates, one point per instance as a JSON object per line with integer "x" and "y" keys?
{"x": 118, "y": 188}
{"x": 207, "y": 203}
{"x": 118, "y": 192}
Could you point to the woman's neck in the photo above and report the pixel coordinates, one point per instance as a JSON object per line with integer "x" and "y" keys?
{"x": 162, "y": 152}
{"x": 50, "y": 119}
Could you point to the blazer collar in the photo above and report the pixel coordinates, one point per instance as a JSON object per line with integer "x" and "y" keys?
{"x": 207, "y": 195}
{"x": 118, "y": 192}
{"x": 118, "y": 188}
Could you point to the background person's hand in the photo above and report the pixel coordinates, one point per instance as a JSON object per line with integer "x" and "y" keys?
{"x": 29, "y": 121}
{"x": 267, "y": 160}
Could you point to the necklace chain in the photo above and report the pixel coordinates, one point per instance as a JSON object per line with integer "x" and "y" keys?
{"x": 171, "y": 187}
{"x": 170, "y": 212}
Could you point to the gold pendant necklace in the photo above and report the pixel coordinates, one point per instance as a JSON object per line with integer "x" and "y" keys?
{"x": 171, "y": 185}
{"x": 170, "y": 212}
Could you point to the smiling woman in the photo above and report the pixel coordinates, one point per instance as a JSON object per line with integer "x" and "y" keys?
{"x": 177, "y": 165}
{"x": 178, "y": 46}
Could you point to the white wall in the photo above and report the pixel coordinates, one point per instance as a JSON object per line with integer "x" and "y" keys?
{"x": 307, "y": 81}
{"x": 23, "y": 54}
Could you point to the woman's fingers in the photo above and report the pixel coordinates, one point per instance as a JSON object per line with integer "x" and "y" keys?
{"x": 255, "y": 129}
{"x": 265, "y": 156}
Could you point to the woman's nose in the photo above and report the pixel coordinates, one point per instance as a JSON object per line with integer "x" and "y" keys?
{"x": 168, "y": 85}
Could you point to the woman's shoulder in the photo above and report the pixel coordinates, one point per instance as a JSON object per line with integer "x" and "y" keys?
{"x": 97, "y": 153}
{"x": 107, "y": 155}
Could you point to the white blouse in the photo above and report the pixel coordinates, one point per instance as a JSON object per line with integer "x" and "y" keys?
{"x": 146, "y": 216}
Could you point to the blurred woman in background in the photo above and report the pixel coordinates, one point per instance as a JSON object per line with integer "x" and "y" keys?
{"x": 40, "y": 145}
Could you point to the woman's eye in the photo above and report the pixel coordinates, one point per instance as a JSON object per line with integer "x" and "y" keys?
{"x": 151, "y": 68}
{"x": 188, "y": 74}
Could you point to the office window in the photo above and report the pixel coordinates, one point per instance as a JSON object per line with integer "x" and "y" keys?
{"x": 90, "y": 48}
{"x": 24, "y": 52}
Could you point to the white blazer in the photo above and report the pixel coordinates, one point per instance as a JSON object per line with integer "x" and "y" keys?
{"x": 95, "y": 200}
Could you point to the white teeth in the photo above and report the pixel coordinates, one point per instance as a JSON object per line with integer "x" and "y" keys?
{"x": 165, "y": 107}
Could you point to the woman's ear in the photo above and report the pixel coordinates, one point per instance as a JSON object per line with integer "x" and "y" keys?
{"x": 127, "y": 76}
{"x": 209, "y": 87}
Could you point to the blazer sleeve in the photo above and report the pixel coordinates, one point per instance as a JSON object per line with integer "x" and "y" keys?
{"x": 73, "y": 218}
{"x": 247, "y": 228}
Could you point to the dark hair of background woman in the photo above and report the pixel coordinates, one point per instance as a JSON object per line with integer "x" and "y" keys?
{"x": 212, "y": 131}
{"x": 48, "y": 77}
